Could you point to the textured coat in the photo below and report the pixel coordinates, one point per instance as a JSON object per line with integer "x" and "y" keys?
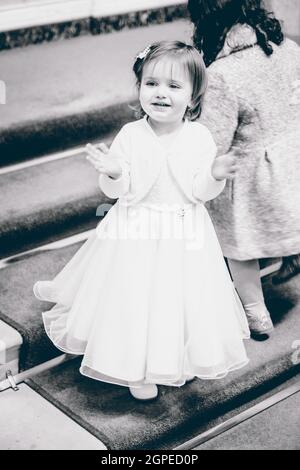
{"x": 252, "y": 106}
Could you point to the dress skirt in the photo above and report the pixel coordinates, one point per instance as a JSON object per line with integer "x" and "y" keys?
{"x": 148, "y": 299}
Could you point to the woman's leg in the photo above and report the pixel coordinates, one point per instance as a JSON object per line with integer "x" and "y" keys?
{"x": 246, "y": 278}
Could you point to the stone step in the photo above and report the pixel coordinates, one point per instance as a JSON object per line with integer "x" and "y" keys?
{"x": 47, "y": 428}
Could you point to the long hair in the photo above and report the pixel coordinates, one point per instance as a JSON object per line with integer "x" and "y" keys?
{"x": 188, "y": 57}
{"x": 214, "y": 18}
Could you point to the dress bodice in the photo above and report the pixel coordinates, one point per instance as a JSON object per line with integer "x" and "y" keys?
{"x": 166, "y": 189}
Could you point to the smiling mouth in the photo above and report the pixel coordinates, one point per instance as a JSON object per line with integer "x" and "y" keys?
{"x": 161, "y": 105}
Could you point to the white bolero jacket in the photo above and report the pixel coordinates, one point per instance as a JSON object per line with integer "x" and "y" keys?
{"x": 139, "y": 152}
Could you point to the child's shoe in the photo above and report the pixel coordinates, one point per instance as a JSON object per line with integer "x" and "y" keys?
{"x": 42, "y": 290}
{"x": 259, "y": 319}
{"x": 144, "y": 392}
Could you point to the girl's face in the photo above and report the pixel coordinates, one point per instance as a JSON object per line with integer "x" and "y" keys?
{"x": 165, "y": 91}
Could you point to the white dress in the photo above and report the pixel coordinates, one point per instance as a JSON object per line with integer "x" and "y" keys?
{"x": 148, "y": 298}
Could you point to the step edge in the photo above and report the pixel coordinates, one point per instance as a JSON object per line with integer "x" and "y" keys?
{"x": 53, "y": 118}
{"x": 9, "y": 336}
{"x": 75, "y": 129}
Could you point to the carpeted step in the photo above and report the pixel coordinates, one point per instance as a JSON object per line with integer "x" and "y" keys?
{"x": 48, "y": 201}
{"x": 276, "y": 428}
{"x": 108, "y": 411}
{"x": 20, "y": 309}
{"x": 64, "y": 93}
{"x": 123, "y": 423}
{"x": 34, "y": 138}
{"x": 120, "y": 422}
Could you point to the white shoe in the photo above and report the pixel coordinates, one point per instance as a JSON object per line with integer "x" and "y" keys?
{"x": 43, "y": 290}
{"x": 259, "y": 319}
{"x": 36, "y": 290}
{"x": 144, "y": 392}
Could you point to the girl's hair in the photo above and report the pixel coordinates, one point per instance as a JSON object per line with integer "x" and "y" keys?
{"x": 188, "y": 57}
{"x": 214, "y": 18}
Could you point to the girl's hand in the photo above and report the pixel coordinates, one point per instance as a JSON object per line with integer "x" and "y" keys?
{"x": 224, "y": 167}
{"x": 103, "y": 161}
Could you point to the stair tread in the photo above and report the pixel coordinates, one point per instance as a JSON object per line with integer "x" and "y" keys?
{"x": 123, "y": 423}
{"x": 50, "y": 184}
{"x": 49, "y": 197}
{"x": 276, "y": 428}
{"x": 23, "y": 311}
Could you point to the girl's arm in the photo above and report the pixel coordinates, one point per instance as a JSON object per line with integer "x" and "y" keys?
{"x": 205, "y": 186}
{"x": 115, "y": 188}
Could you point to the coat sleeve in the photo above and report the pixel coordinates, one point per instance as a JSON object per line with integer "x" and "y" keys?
{"x": 220, "y": 111}
{"x": 115, "y": 188}
{"x": 205, "y": 186}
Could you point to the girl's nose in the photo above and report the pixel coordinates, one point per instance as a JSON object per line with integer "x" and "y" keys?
{"x": 161, "y": 92}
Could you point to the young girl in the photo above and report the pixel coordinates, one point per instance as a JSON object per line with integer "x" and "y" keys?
{"x": 148, "y": 299}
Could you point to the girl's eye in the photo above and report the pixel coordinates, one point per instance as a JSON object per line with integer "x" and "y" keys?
{"x": 150, "y": 83}
{"x": 174, "y": 85}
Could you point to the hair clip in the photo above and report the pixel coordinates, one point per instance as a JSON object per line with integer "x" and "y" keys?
{"x": 144, "y": 53}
